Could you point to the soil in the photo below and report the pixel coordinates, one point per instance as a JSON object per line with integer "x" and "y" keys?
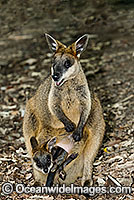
{"x": 25, "y": 60}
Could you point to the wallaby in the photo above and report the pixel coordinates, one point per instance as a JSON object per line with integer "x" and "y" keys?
{"x": 62, "y": 103}
{"x": 61, "y": 154}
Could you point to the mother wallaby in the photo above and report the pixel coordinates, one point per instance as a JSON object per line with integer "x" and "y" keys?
{"x": 63, "y": 102}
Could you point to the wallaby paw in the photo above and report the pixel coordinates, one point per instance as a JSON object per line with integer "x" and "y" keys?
{"x": 70, "y": 127}
{"x": 77, "y": 135}
{"x": 88, "y": 183}
{"x": 62, "y": 175}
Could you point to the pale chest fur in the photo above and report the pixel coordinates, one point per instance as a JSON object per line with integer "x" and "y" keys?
{"x": 69, "y": 101}
{"x": 69, "y": 104}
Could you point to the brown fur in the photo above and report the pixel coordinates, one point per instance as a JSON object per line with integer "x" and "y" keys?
{"x": 70, "y": 50}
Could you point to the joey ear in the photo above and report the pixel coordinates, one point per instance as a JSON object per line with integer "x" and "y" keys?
{"x": 53, "y": 44}
{"x": 45, "y": 146}
{"x": 33, "y": 142}
{"x": 81, "y": 44}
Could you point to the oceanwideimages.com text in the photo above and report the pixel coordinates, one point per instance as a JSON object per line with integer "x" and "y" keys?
{"x": 8, "y": 188}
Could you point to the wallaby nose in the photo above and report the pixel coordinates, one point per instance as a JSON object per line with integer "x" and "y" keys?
{"x": 45, "y": 170}
{"x": 56, "y": 77}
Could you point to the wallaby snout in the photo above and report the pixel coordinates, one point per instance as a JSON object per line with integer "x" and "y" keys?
{"x": 42, "y": 161}
{"x": 63, "y": 68}
{"x": 57, "y": 72}
{"x": 56, "y": 76}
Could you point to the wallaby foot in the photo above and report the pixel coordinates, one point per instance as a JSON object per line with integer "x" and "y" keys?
{"x": 87, "y": 175}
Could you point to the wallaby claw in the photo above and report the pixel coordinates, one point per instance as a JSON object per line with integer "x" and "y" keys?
{"x": 51, "y": 144}
{"x": 70, "y": 127}
{"x": 77, "y": 135}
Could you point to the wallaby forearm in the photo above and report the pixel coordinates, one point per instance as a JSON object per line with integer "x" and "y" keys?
{"x": 78, "y": 133}
{"x": 69, "y": 125}
{"x": 84, "y": 111}
{"x": 85, "y": 106}
{"x": 82, "y": 121}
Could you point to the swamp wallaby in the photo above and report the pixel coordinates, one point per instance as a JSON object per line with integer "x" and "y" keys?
{"x": 63, "y": 103}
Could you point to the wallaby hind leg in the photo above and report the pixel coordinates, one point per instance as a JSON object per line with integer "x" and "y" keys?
{"x": 90, "y": 151}
{"x": 95, "y": 129}
{"x": 28, "y": 129}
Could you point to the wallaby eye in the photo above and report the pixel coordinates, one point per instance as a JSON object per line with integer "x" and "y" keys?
{"x": 38, "y": 164}
{"x": 67, "y": 64}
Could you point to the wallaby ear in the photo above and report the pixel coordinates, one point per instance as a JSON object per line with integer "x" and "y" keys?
{"x": 45, "y": 146}
{"x": 81, "y": 44}
{"x": 33, "y": 142}
{"x": 53, "y": 44}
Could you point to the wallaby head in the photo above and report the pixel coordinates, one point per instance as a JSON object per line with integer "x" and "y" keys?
{"x": 42, "y": 160}
{"x": 65, "y": 63}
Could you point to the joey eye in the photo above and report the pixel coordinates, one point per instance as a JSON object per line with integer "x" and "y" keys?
{"x": 48, "y": 160}
{"x": 37, "y": 162}
{"x": 67, "y": 64}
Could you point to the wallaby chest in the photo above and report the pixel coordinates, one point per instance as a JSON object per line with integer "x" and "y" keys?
{"x": 68, "y": 101}
{"x": 71, "y": 105}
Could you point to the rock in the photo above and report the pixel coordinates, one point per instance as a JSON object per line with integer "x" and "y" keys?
{"x": 127, "y": 143}
{"x": 118, "y": 159}
{"x": 46, "y": 61}
{"x": 97, "y": 163}
{"x": 129, "y": 164}
{"x": 22, "y": 111}
{"x": 126, "y": 181}
{"x": 70, "y": 199}
{"x": 32, "y": 67}
{"x": 131, "y": 157}
{"x": 7, "y": 107}
{"x": 42, "y": 197}
{"x": 21, "y": 139}
{"x": 101, "y": 181}
{"x": 29, "y": 61}
{"x": 28, "y": 176}
{"x": 3, "y": 88}
{"x": 2, "y": 131}
{"x": 4, "y": 114}
{"x": 49, "y": 55}
{"x": 36, "y": 74}
{"x": 5, "y": 159}
{"x": 20, "y": 37}
{"x": 20, "y": 150}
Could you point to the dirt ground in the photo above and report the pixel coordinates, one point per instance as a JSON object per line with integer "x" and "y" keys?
{"x": 108, "y": 63}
